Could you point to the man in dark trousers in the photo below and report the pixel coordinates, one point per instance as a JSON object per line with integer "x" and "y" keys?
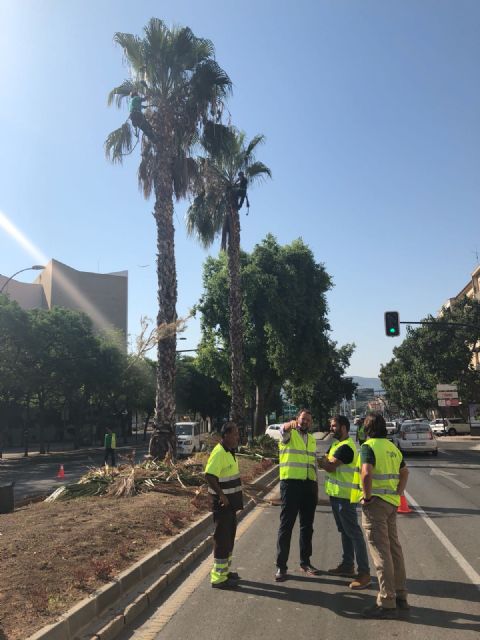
{"x": 224, "y": 484}
{"x": 298, "y": 491}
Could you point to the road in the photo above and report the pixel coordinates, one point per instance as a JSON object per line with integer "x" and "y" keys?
{"x": 442, "y": 557}
{"x": 36, "y": 475}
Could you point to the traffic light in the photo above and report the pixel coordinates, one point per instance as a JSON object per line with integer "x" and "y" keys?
{"x": 392, "y": 324}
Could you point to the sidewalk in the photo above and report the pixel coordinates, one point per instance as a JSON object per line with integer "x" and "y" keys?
{"x": 66, "y": 448}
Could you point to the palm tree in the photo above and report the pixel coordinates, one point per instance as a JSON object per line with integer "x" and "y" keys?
{"x": 214, "y": 211}
{"x": 177, "y": 73}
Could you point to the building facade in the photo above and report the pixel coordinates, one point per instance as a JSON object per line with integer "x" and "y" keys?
{"x": 101, "y": 296}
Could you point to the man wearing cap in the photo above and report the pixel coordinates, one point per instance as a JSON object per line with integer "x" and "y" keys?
{"x": 224, "y": 485}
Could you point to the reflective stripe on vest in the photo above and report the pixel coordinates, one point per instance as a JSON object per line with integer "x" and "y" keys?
{"x": 343, "y": 482}
{"x": 386, "y": 472}
{"x": 230, "y": 483}
{"x": 297, "y": 460}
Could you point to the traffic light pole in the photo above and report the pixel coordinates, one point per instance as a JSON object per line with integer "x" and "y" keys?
{"x": 443, "y": 324}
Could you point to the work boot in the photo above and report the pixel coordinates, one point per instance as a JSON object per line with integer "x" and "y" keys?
{"x": 380, "y": 613}
{"x": 362, "y": 581}
{"x": 309, "y": 570}
{"x": 233, "y": 575}
{"x": 226, "y": 584}
{"x": 402, "y": 604}
{"x": 280, "y": 575}
{"x": 342, "y": 570}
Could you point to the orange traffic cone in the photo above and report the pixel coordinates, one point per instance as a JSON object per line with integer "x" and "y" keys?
{"x": 403, "y": 508}
{"x": 61, "y": 472}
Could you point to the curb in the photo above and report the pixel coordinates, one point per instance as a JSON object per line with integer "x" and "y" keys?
{"x": 128, "y": 582}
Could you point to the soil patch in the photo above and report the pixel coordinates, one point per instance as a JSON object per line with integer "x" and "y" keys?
{"x": 54, "y": 554}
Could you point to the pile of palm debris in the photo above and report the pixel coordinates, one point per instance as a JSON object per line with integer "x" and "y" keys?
{"x": 131, "y": 479}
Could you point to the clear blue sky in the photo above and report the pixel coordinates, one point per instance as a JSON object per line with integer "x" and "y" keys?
{"x": 371, "y": 110}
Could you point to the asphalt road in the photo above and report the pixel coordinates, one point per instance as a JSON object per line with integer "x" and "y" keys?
{"x": 441, "y": 548}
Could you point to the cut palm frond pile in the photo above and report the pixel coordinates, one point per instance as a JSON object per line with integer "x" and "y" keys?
{"x": 130, "y": 479}
{"x": 261, "y": 448}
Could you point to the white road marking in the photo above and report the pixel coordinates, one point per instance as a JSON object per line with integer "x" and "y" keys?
{"x": 448, "y": 475}
{"x": 472, "y": 575}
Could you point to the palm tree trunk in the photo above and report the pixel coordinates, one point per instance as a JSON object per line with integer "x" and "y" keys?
{"x": 167, "y": 299}
{"x": 237, "y": 407}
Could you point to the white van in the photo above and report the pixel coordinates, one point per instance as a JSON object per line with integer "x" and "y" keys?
{"x": 449, "y": 426}
{"x": 188, "y": 437}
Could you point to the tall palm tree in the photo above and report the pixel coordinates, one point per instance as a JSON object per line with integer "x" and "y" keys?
{"x": 178, "y": 75}
{"x": 215, "y": 211}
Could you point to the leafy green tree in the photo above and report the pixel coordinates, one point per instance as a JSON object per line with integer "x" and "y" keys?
{"x": 215, "y": 211}
{"x": 14, "y": 332}
{"x": 286, "y": 335}
{"x": 197, "y": 393}
{"x": 329, "y": 387}
{"x": 184, "y": 85}
{"x": 439, "y": 352}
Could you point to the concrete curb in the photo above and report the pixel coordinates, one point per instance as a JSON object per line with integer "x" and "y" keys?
{"x": 83, "y": 614}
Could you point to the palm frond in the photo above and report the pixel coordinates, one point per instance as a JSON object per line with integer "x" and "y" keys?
{"x": 121, "y": 92}
{"x": 254, "y": 142}
{"x": 185, "y": 171}
{"x": 133, "y": 49}
{"x": 257, "y": 171}
{"x": 119, "y": 143}
{"x": 146, "y": 168}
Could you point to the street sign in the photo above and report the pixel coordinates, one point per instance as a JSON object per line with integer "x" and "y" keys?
{"x": 447, "y": 387}
{"x": 453, "y": 402}
{"x": 444, "y": 395}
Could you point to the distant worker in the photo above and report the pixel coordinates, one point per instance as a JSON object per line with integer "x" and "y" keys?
{"x": 110, "y": 444}
{"x": 138, "y": 118}
{"x": 224, "y": 484}
{"x": 360, "y": 430}
{"x": 298, "y": 491}
{"x": 342, "y": 487}
{"x": 383, "y": 480}
{"x": 241, "y": 190}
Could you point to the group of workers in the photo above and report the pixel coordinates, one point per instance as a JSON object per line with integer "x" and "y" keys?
{"x": 375, "y": 477}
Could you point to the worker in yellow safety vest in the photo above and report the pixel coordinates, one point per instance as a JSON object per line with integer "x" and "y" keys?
{"x": 298, "y": 491}
{"x": 342, "y": 487}
{"x": 225, "y": 486}
{"x": 383, "y": 480}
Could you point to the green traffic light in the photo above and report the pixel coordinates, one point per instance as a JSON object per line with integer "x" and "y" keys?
{"x": 392, "y": 330}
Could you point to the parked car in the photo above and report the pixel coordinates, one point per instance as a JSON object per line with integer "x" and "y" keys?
{"x": 391, "y": 429}
{"x": 416, "y": 436}
{"x": 449, "y": 426}
{"x": 273, "y": 430}
{"x": 188, "y": 438}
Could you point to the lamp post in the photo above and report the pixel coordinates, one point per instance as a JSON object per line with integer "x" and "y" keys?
{"x": 36, "y": 267}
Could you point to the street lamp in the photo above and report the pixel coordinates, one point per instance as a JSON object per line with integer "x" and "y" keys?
{"x": 36, "y": 267}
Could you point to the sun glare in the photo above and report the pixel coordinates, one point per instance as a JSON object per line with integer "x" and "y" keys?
{"x": 77, "y": 297}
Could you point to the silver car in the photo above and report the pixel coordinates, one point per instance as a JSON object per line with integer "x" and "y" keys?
{"x": 416, "y": 436}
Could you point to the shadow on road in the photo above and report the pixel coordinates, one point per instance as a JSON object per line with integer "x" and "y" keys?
{"x": 350, "y": 604}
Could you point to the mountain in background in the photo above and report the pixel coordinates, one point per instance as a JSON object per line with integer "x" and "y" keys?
{"x": 369, "y": 383}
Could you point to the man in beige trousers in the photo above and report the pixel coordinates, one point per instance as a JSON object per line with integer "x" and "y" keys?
{"x": 383, "y": 479}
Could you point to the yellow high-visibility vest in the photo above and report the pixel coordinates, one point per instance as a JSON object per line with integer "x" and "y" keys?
{"x": 386, "y": 472}
{"x": 343, "y": 482}
{"x": 297, "y": 459}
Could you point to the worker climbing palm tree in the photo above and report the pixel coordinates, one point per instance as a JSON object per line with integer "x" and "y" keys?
{"x": 137, "y": 117}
